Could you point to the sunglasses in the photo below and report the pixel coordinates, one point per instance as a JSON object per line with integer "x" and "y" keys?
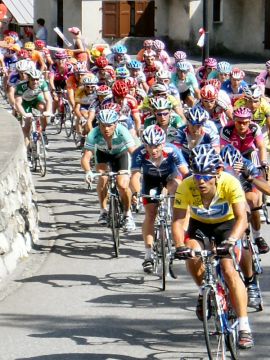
{"x": 243, "y": 122}
{"x": 208, "y": 101}
{"x": 205, "y": 178}
{"x": 163, "y": 113}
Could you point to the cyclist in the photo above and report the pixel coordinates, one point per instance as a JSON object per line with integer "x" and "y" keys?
{"x": 164, "y": 77}
{"x": 104, "y": 71}
{"x": 222, "y": 73}
{"x": 217, "y": 206}
{"x": 111, "y": 143}
{"x": 161, "y": 54}
{"x": 219, "y": 111}
{"x": 181, "y": 56}
{"x": 40, "y": 46}
{"x": 263, "y": 80}
{"x": 186, "y": 83}
{"x": 150, "y": 66}
{"x": 119, "y": 56}
{"x": 161, "y": 165}
{"x": 74, "y": 81}
{"x": 147, "y": 46}
{"x": 222, "y": 95}
{"x": 199, "y": 130}
{"x": 35, "y": 56}
{"x": 235, "y": 84}
{"x": 204, "y": 72}
{"x": 33, "y": 93}
{"x": 135, "y": 69}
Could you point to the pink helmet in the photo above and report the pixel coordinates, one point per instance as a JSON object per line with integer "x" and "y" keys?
{"x": 237, "y": 74}
{"x": 180, "y": 55}
{"x": 158, "y": 45}
{"x": 148, "y": 43}
{"x": 209, "y": 92}
{"x": 243, "y": 113}
{"x": 211, "y": 62}
{"x": 149, "y": 53}
{"x": 60, "y": 55}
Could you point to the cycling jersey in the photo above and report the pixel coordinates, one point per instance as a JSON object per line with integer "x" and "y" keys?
{"x": 81, "y": 97}
{"x": 150, "y": 71}
{"x": 63, "y": 74}
{"x": 165, "y": 60}
{"x": 172, "y": 158}
{"x": 190, "y": 83}
{"x": 72, "y": 83}
{"x": 260, "y": 114}
{"x": 227, "y": 86}
{"x": 184, "y": 141}
{"x": 228, "y": 192}
{"x": 31, "y": 98}
{"x": 121, "y": 140}
{"x": 229, "y": 135}
{"x": 147, "y": 106}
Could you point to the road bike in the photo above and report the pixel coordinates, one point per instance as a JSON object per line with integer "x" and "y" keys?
{"x": 63, "y": 116}
{"x": 162, "y": 245}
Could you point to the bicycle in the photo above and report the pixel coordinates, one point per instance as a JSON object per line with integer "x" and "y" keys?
{"x": 63, "y": 116}
{"x": 37, "y": 149}
{"x": 219, "y": 320}
{"x": 162, "y": 245}
{"x": 115, "y": 214}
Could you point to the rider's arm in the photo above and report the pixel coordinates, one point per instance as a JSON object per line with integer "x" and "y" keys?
{"x": 178, "y": 223}
{"x": 48, "y": 101}
{"x": 262, "y": 151}
{"x": 77, "y": 110}
{"x": 85, "y": 160}
{"x": 18, "y": 105}
{"x": 240, "y": 225}
{"x": 135, "y": 184}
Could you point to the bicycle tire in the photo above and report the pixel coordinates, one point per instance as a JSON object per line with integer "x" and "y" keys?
{"x": 114, "y": 211}
{"x": 213, "y": 328}
{"x": 57, "y": 123}
{"x": 160, "y": 254}
{"x": 41, "y": 156}
{"x": 68, "y": 124}
{"x": 232, "y": 336}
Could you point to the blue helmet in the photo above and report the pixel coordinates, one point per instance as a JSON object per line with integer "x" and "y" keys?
{"x": 230, "y": 155}
{"x": 197, "y": 115}
{"x": 224, "y": 67}
{"x": 183, "y": 66}
{"x": 205, "y": 160}
{"x": 107, "y": 116}
{"x": 134, "y": 64}
{"x": 119, "y": 49}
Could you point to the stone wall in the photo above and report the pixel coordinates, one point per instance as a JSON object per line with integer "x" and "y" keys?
{"x": 18, "y": 211}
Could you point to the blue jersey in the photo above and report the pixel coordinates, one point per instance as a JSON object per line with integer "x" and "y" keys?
{"x": 184, "y": 141}
{"x": 172, "y": 158}
{"x": 227, "y": 86}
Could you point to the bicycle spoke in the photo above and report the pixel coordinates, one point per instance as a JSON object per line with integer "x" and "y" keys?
{"x": 115, "y": 222}
{"x": 68, "y": 121}
{"x": 41, "y": 156}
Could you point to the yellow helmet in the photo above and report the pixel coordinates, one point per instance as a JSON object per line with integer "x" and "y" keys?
{"x": 29, "y": 45}
{"x": 9, "y": 39}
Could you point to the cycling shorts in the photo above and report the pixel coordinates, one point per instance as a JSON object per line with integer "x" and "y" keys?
{"x": 117, "y": 161}
{"x": 154, "y": 182}
{"x": 185, "y": 94}
{"x": 29, "y": 105}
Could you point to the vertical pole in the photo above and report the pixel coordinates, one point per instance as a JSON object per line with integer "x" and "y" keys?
{"x": 205, "y": 53}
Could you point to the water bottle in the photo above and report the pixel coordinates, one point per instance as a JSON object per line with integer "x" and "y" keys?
{"x": 222, "y": 297}
{"x": 35, "y": 136}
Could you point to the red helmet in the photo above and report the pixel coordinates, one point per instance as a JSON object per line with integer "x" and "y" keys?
{"x": 237, "y": 74}
{"x": 112, "y": 106}
{"x": 104, "y": 90}
{"x": 215, "y": 82}
{"x": 131, "y": 82}
{"x": 209, "y": 92}
{"x": 40, "y": 44}
{"x": 211, "y": 62}
{"x": 102, "y": 61}
{"x": 23, "y": 54}
{"x": 120, "y": 88}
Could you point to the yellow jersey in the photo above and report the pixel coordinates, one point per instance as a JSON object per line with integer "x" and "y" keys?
{"x": 260, "y": 114}
{"x": 229, "y": 191}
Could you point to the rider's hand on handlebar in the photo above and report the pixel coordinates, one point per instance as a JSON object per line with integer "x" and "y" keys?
{"x": 183, "y": 253}
{"x": 89, "y": 177}
{"x": 224, "y": 248}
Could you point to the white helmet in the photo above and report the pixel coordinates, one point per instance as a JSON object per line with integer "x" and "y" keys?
{"x": 23, "y": 65}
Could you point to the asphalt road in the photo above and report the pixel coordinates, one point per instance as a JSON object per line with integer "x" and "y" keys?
{"x": 72, "y": 300}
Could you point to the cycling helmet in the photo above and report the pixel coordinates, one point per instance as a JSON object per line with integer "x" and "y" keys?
{"x": 158, "y": 45}
{"x": 112, "y": 106}
{"x": 149, "y": 53}
{"x": 9, "y": 39}
{"x": 180, "y": 55}
{"x": 214, "y": 82}
{"x": 182, "y": 66}
{"x": 107, "y": 116}
{"x": 224, "y": 67}
{"x": 14, "y": 35}
{"x": 29, "y": 45}
{"x": 80, "y": 68}
{"x": 22, "y": 65}
{"x": 153, "y": 135}
{"x": 159, "y": 88}
{"x": 163, "y": 74}
{"x": 119, "y": 49}
{"x": 237, "y": 74}
{"x": 120, "y": 88}
{"x": 60, "y": 55}
{"x": 90, "y": 79}
{"x": 104, "y": 90}
{"x": 252, "y": 93}
{"x": 243, "y": 113}
{"x": 34, "y": 73}
{"x": 148, "y": 43}
{"x": 211, "y": 62}
{"x": 131, "y": 82}
{"x": 205, "y": 160}
{"x": 160, "y": 103}
{"x": 267, "y": 64}
{"x": 102, "y": 62}
{"x": 230, "y": 155}
{"x": 121, "y": 72}
{"x": 40, "y": 44}
{"x": 134, "y": 64}
{"x": 23, "y": 54}
{"x": 209, "y": 92}
{"x": 197, "y": 115}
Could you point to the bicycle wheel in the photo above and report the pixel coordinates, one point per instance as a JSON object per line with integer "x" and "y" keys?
{"x": 68, "y": 124}
{"x": 41, "y": 155}
{"x": 57, "y": 123}
{"x": 213, "y": 327}
{"x": 115, "y": 222}
{"x": 160, "y": 254}
{"x": 232, "y": 335}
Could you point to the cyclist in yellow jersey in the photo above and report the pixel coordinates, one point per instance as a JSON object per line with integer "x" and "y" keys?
{"x": 217, "y": 208}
